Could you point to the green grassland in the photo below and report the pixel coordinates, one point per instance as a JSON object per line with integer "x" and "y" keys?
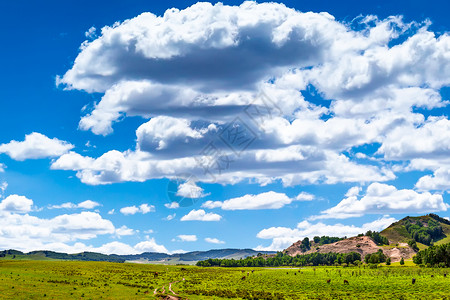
{"x": 28, "y": 279}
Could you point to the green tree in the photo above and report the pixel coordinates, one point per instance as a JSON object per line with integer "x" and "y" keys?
{"x": 388, "y": 261}
{"x": 402, "y": 261}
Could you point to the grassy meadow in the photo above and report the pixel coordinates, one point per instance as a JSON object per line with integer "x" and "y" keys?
{"x": 28, "y": 279}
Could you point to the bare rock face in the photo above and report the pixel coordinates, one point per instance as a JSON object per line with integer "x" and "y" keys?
{"x": 361, "y": 244}
{"x": 294, "y": 249}
{"x": 397, "y": 253}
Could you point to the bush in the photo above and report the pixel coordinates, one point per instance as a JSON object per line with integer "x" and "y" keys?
{"x": 402, "y": 261}
{"x": 375, "y": 258}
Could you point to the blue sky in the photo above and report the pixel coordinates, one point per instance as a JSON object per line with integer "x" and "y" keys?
{"x": 238, "y": 125}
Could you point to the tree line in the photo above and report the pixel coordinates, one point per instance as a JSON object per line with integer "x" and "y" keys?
{"x": 434, "y": 256}
{"x": 282, "y": 259}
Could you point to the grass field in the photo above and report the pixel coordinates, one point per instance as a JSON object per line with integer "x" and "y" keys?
{"x": 100, "y": 280}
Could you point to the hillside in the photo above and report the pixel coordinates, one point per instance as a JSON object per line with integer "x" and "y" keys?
{"x": 424, "y": 230}
{"x": 398, "y": 231}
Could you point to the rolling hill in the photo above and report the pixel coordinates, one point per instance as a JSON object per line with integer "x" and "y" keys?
{"x": 405, "y": 237}
{"x": 181, "y": 258}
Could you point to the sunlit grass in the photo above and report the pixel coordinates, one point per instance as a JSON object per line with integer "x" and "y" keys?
{"x": 102, "y": 280}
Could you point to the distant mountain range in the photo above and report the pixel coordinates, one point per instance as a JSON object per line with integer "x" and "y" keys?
{"x": 181, "y": 258}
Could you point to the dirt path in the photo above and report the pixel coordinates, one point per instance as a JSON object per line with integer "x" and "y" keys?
{"x": 170, "y": 288}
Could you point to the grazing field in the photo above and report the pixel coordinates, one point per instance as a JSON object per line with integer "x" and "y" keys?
{"x": 102, "y": 280}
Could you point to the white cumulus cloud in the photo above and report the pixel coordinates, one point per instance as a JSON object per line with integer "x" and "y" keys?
{"x": 384, "y": 199}
{"x": 35, "y": 146}
{"x": 214, "y": 241}
{"x": 267, "y": 200}
{"x": 132, "y": 210}
{"x": 201, "y": 215}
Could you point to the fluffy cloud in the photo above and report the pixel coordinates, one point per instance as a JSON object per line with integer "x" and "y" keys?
{"x": 187, "y": 237}
{"x": 172, "y": 205}
{"x": 2, "y": 168}
{"x": 160, "y": 131}
{"x": 88, "y": 204}
{"x": 16, "y": 204}
{"x": 384, "y": 199}
{"x": 440, "y": 180}
{"x": 214, "y": 241}
{"x": 283, "y": 237}
{"x": 267, "y": 200}
{"x": 179, "y": 50}
{"x": 201, "y": 215}
{"x": 35, "y": 146}
{"x": 428, "y": 140}
{"x": 132, "y": 210}
{"x": 150, "y": 246}
{"x": 190, "y": 189}
{"x": 124, "y": 231}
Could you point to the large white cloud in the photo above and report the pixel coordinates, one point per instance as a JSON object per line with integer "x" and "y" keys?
{"x": 35, "y": 146}
{"x": 267, "y": 200}
{"x": 183, "y": 46}
{"x": 283, "y": 237}
{"x": 190, "y": 72}
{"x": 384, "y": 199}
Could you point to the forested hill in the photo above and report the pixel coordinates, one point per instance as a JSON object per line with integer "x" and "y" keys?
{"x": 424, "y": 230}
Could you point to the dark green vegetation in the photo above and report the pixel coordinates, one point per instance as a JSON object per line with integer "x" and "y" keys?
{"x": 323, "y": 240}
{"x": 376, "y": 258}
{"x": 424, "y": 230}
{"x": 424, "y": 233}
{"x": 377, "y": 238}
{"x": 104, "y": 280}
{"x": 147, "y": 256}
{"x": 434, "y": 256}
{"x": 281, "y": 259}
